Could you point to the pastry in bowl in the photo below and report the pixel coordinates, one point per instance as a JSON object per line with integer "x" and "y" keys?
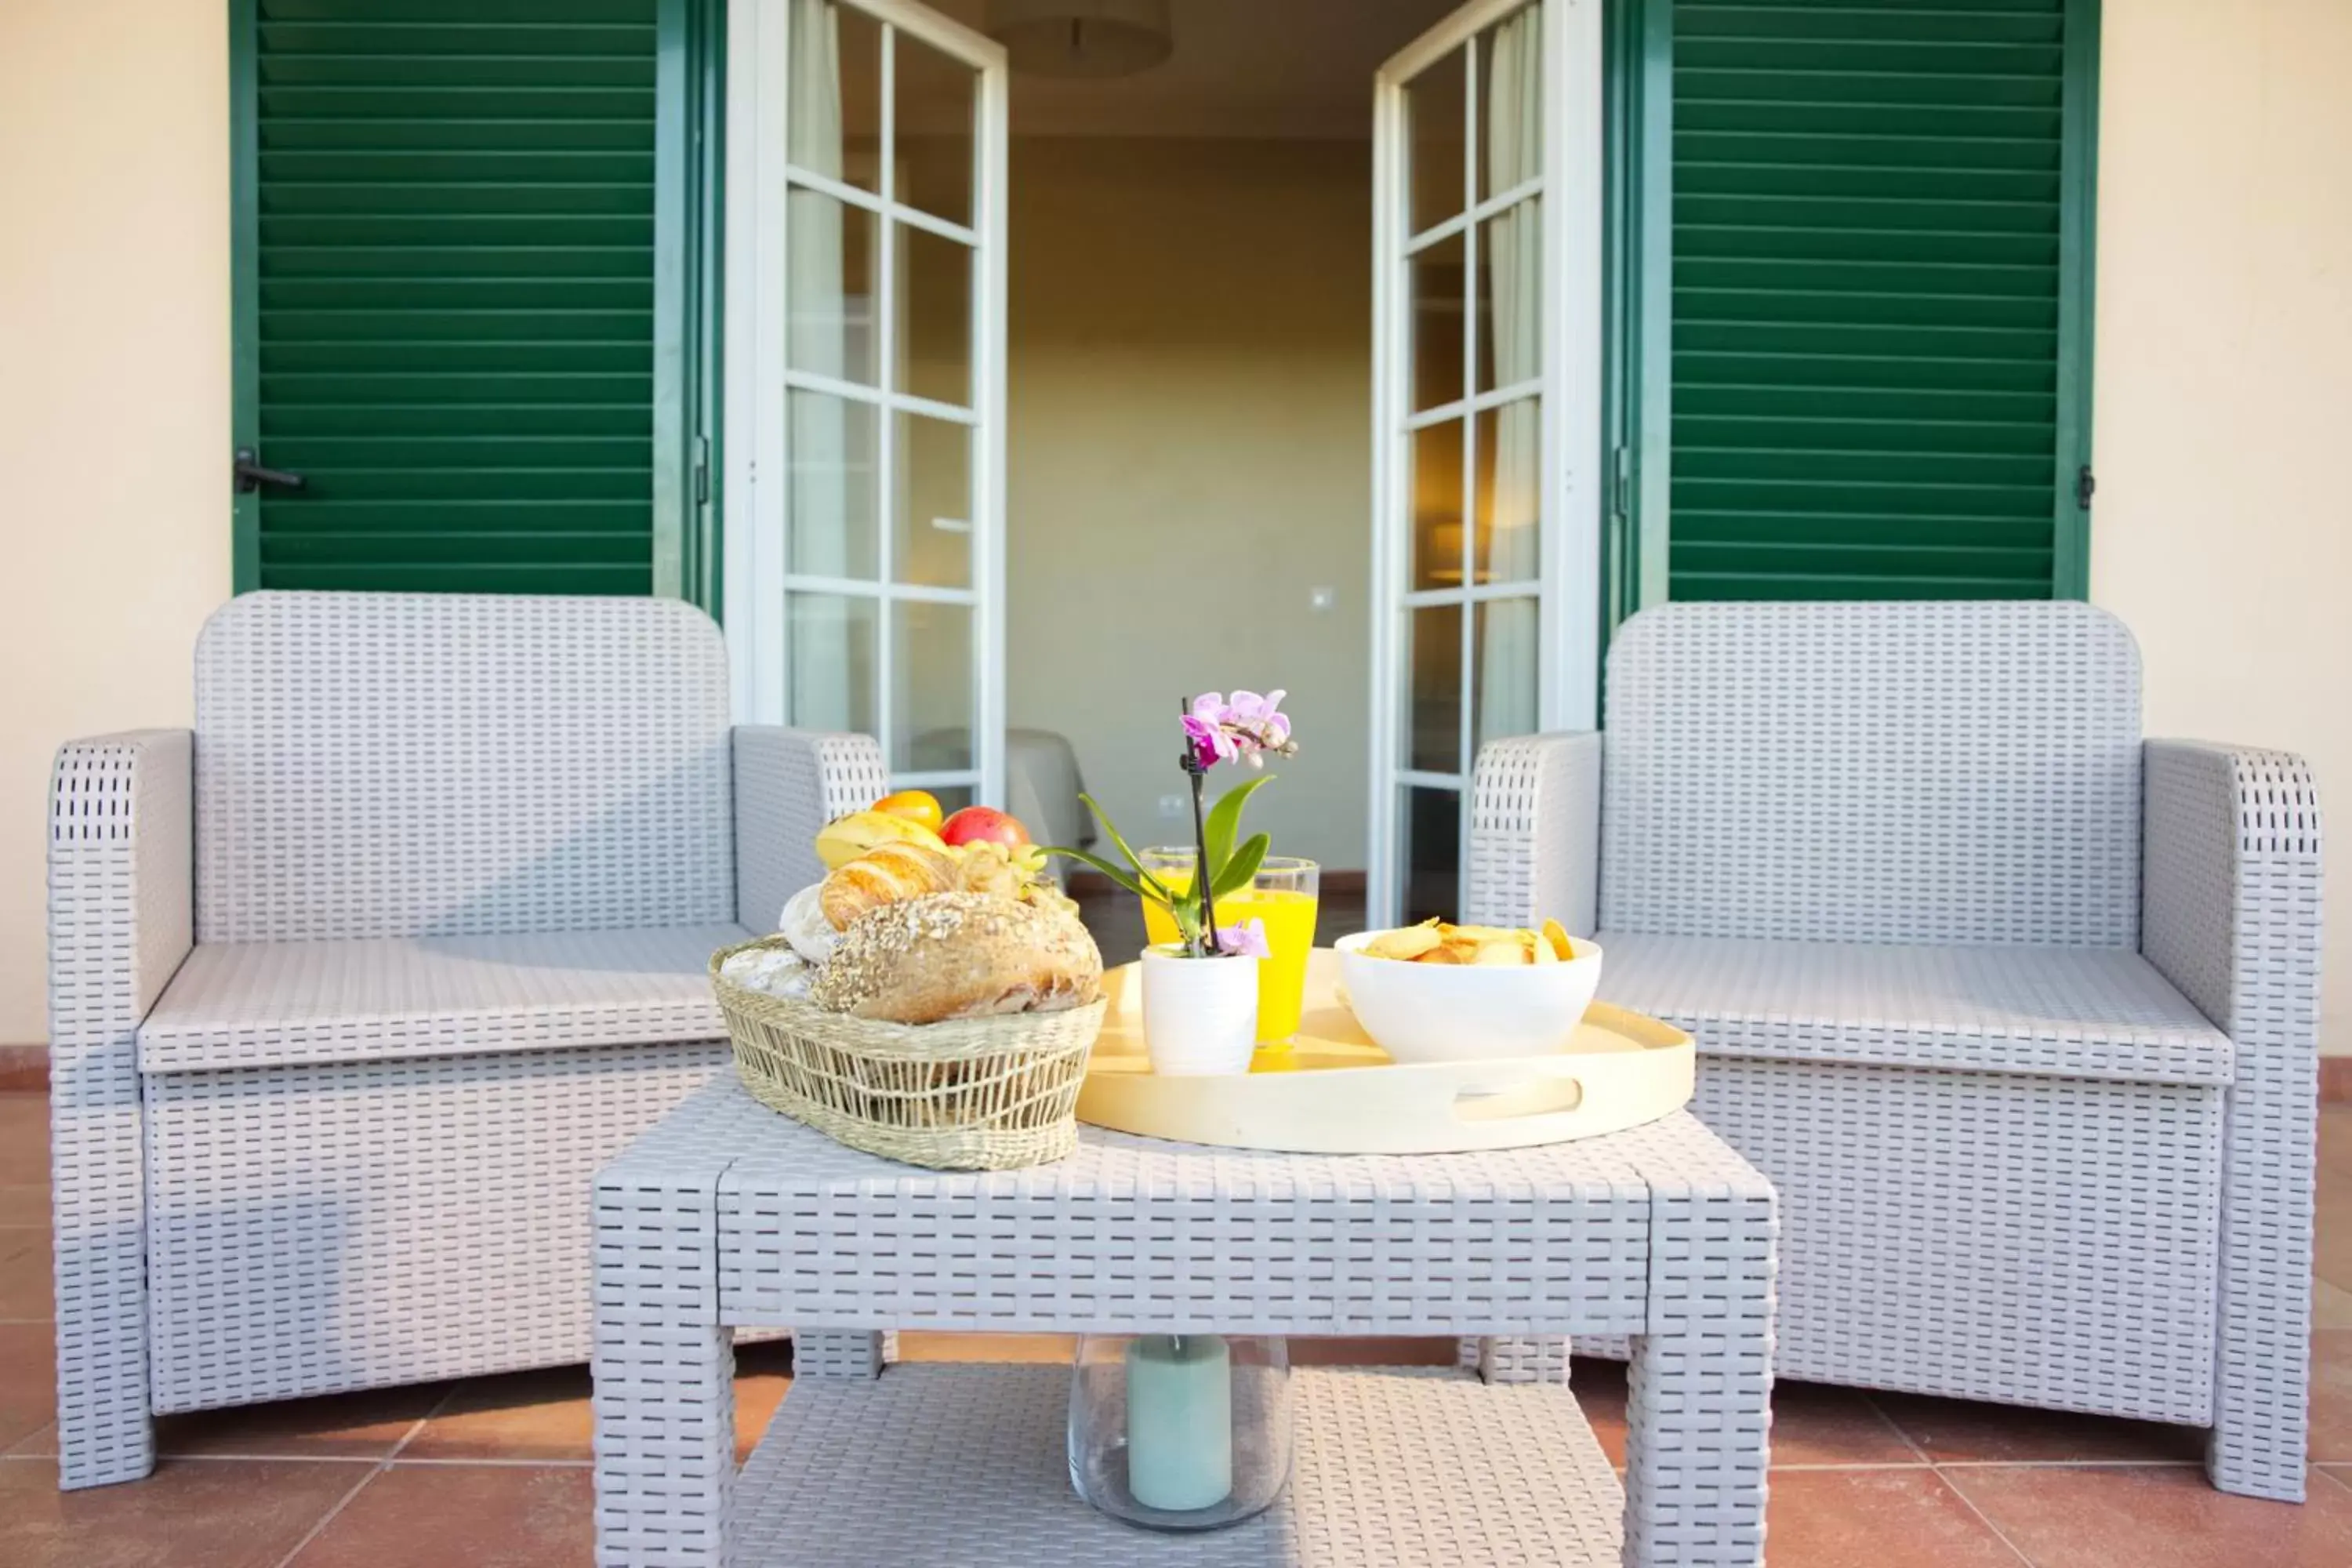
{"x": 1438, "y": 992}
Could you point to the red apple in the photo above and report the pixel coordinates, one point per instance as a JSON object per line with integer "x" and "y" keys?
{"x": 983, "y": 824}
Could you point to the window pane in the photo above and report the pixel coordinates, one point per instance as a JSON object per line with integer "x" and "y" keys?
{"x": 1504, "y": 673}
{"x": 937, "y": 100}
{"x": 1432, "y": 718}
{"x": 1510, "y": 103}
{"x": 1430, "y": 826}
{"x": 935, "y": 316}
{"x": 1434, "y": 491}
{"x": 833, "y": 667}
{"x": 834, "y": 134}
{"x": 1435, "y": 108}
{"x": 830, "y": 448}
{"x": 932, "y": 545}
{"x": 831, "y": 288}
{"x": 1510, "y": 296}
{"x": 1509, "y": 498}
{"x": 931, "y": 706}
{"x": 1434, "y": 275}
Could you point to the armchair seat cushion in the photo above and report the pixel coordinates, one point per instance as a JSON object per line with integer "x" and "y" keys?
{"x": 2064, "y": 1012}
{"x": 265, "y": 1004}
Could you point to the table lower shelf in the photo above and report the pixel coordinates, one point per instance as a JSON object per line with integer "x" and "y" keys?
{"x": 1399, "y": 1468}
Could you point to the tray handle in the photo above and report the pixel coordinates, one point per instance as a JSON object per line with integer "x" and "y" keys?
{"x": 1542, "y": 1088}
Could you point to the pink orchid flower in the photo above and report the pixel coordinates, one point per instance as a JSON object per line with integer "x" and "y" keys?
{"x": 1243, "y": 730}
{"x": 1245, "y": 940}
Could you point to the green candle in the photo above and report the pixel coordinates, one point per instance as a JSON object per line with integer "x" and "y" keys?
{"x": 1180, "y": 1421}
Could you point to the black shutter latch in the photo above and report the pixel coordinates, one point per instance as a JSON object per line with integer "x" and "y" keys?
{"x": 251, "y": 475}
{"x": 2084, "y": 485}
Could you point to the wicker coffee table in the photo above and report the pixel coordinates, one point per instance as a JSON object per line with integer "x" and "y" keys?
{"x": 727, "y": 1217}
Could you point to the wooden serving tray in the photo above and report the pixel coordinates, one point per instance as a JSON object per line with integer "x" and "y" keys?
{"x": 1332, "y": 1091}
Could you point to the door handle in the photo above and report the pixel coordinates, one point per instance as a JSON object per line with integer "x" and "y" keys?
{"x": 251, "y": 475}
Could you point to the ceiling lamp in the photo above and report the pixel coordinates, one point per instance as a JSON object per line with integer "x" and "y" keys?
{"x": 1082, "y": 37}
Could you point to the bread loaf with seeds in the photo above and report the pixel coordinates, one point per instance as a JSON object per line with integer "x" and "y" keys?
{"x": 960, "y": 955}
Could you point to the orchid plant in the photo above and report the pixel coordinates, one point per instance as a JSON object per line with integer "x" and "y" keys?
{"x": 1244, "y": 731}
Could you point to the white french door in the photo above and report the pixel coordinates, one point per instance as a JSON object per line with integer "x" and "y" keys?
{"x": 865, "y": 423}
{"x": 1486, "y": 206}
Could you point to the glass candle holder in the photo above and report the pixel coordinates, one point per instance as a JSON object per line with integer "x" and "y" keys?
{"x": 1179, "y": 1432}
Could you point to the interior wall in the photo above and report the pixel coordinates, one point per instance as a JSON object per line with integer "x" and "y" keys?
{"x": 1190, "y": 456}
{"x": 114, "y": 399}
{"x": 2222, "y": 528}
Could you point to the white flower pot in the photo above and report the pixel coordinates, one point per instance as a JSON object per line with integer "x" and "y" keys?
{"x": 1200, "y": 1014}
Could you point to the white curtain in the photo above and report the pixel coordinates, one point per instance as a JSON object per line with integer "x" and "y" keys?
{"x": 1514, "y": 267}
{"x": 827, "y": 679}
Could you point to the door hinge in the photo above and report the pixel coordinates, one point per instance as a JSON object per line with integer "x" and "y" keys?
{"x": 1621, "y": 481}
{"x": 702, "y": 471}
{"x": 2085, "y": 485}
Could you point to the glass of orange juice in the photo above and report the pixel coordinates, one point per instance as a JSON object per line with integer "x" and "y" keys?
{"x": 1283, "y": 894}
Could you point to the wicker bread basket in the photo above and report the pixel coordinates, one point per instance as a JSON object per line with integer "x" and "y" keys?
{"x": 971, "y": 1094}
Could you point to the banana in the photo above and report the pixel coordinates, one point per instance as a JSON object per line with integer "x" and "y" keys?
{"x": 844, "y": 841}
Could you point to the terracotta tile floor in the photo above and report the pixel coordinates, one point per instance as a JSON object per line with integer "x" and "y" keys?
{"x": 493, "y": 1472}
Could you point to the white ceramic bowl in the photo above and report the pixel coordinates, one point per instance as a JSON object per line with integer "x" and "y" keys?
{"x": 1462, "y": 1013}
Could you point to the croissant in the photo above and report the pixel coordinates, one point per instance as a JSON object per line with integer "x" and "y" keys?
{"x": 885, "y": 874}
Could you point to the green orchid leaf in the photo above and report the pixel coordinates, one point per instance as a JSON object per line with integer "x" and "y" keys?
{"x": 1124, "y": 878}
{"x": 1242, "y": 867}
{"x": 1224, "y": 823}
{"x": 1161, "y": 893}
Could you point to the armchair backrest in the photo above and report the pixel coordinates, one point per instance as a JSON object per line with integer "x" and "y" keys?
{"x": 403, "y": 765}
{"x": 1889, "y": 773}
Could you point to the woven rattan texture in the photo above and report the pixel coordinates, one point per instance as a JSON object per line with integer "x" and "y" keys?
{"x": 2098, "y": 1012}
{"x": 724, "y": 1214}
{"x": 394, "y": 765}
{"x": 119, "y": 911}
{"x": 789, "y": 783}
{"x": 1919, "y": 773}
{"x": 1134, "y": 1233}
{"x": 2052, "y": 1234}
{"x": 260, "y": 1231}
{"x": 325, "y": 1228}
{"x": 2233, "y": 868}
{"x": 1988, "y": 1235}
{"x": 269, "y": 1003}
{"x": 1551, "y": 782}
{"x": 964, "y": 1465}
{"x": 966, "y": 1094}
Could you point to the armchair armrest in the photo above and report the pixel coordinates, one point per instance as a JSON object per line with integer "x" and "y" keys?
{"x": 122, "y": 915}
{"x": 789, "y": 783}
{"x": 1534, "y": 832}
{"x": 2231, "y": 914}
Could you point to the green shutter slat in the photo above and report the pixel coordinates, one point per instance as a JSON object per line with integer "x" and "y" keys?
{"x": 453, "y": 239}
{"x": 457, "y": 294}
{"x": 419, "y": 326}
{"x": 461, "y": 518}
{"x": 1869, "y": 300}
{"x": 392, "y": 422}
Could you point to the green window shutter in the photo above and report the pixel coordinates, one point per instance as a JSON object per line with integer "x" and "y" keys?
{"x": 1880, "y": 232}
{"x": 447, "y": 314}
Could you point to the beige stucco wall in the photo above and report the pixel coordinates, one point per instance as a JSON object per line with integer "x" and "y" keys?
{"x": 2223, "y": 432}
{"x": 114, "y": 397}
{"x": 2224, "y": 390}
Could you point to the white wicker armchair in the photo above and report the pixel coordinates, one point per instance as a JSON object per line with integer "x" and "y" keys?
{"x": 2018, "y": 1011}
{"x": 353, "y": 988}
